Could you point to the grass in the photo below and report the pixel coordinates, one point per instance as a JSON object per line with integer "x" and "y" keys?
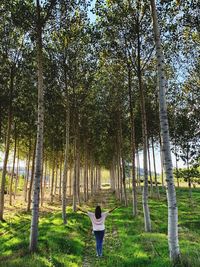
{"x": 59, "y": 245}
{"x": 126, "y": 244}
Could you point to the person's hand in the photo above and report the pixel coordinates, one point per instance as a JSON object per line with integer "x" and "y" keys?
{"x": 79, "y": 208}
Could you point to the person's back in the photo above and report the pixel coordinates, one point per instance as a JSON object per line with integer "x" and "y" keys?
{"x": 98, "y": 226}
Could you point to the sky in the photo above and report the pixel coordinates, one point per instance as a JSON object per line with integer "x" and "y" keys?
{"x": 91, "y": 15}
{"x": 158, "y": 161}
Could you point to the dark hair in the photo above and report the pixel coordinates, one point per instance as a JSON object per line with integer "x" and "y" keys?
{"x": 98, "y": 212}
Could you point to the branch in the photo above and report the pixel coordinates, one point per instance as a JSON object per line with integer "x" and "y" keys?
{"x": 147, "y": 58}
{"x": 50, "y": 7}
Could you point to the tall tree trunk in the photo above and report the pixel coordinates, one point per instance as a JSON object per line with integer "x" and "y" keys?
{"x": 13, "y": 169}
{"x": 124, "y": 182}
{"x": 119, "y": 140}
{"x": 138, "y": 169}
{"x": 60, "y": 179}
{"x": 99, "y": 177}
{"x": 3, "y": 179}
{"x": 70, "y": 180}
{"x": 17, "y": 173}
{"x": 176, "y": 164}
{"x": 39, "y": 144}
{"x": 112, "y": 177}
{"x": 27, "y": 173}
{"x": 171, "y": 192}
{"x": 85, "y": 179}
{"x": 118, "y": 178}
{"x": 188, "y": 175}
{"x": 41, "y": 183}
{"x": 149, "y": 158}
{"x": 91, "y": 178}
{"x": 78, "y": 173}
{"x": 52, "y": 179}
{"x": 66, "y": 166}
{"x": 122, "y": 163}
{"x": 32, "y": 178}
{"x": 147, "y": 219}
{"x": 56, "y": 180}
{"x": 44, "y": 182}
{"x": 161, "y": 161}
{"x": 154, "y": 164}
{"x": 75, "y": 177}
{"x": 132, "y": 122}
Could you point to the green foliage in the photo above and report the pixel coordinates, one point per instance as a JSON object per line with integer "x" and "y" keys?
{"x": 192, "y": 173}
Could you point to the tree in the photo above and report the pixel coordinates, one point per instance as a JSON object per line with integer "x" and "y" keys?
{"x": 171, "y": 193}
{"x": 40, "y": 126}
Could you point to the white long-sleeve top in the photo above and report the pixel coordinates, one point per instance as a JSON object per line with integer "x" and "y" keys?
{"x": 98, "y": 224}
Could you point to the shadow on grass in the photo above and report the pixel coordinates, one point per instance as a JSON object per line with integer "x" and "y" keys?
{"x": 58, "y": 244}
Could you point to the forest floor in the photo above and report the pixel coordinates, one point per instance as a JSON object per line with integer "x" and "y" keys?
{"x": 125, "y": 245}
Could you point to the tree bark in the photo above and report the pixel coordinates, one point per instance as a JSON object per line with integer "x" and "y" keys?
{"x": 27, "y": 173}
{"x": 52, "y": 179}
{"x": 60, "y": 179}
{"x": 3, "y": 179}
{"x": 138, "y": 169}
{"x": 132, "y": 122}
{"x": 161, "y": 161}
{"x": 149, "y": 158}
{"x": 66, "y": 166}
{"x": 39, "y": 143}
{"x": 32, "y": 178}
{"x": 75, "y": 177}
{"x": 78, "y": 173}
{"x": 17, "y": 173}
{"x": 147, "y": 220}
{"x": 13, "y": 169}
{"x": 44, "y": 182}
{"x": 56, "y": 176}
{"x": 85, "y": 183}
{"x": 124, "y": 182}
{"x": 171, "y": 192}
{"x": 154, "y": 164}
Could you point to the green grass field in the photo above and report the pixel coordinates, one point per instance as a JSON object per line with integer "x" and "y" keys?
{"x": 126, "y": 243}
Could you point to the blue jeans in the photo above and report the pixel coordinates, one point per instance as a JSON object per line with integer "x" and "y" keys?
{"x": 99, "y": 241}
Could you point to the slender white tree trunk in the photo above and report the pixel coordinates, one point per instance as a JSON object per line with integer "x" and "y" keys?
{"x": 13, "y": 170}
{"x": 64, "y": 185}
{"x": 17, "y": 173}
{"x": 171, "y": 192}
{"x": 60, "y": 178}
{"x": 75, "y": 177}
{"x": 32, "y": 178}
{"x": 85, "y": 175}
{"x": 154, "y": 165}
{"x": 52, "y": 178}
{"x": 150, "y": 175}
{"x": 132, "y": 123}
{"x": 27, "y": 173}
{"x": 39, "y": 144}
{"x": 147, "y": 219}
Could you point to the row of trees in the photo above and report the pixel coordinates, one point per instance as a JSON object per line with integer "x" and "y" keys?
{"x": 94, "y": 101}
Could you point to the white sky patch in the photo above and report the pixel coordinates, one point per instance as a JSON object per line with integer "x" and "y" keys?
{"x": 92, "y": 16}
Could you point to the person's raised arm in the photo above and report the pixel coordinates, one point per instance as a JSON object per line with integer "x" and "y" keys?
{"x": 79, "y": 208}
{"x": 112, "y": 209}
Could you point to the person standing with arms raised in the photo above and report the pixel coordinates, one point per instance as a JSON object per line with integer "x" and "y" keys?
{"x": 98, "y": 225}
